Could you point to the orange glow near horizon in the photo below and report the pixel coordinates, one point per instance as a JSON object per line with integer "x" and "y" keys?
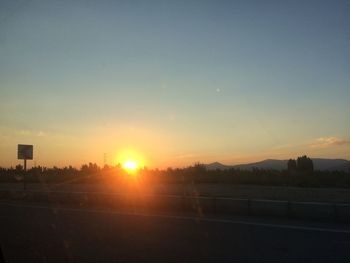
{"x": 130, "y": 160}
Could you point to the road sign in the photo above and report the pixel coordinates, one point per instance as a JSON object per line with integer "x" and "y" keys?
{"x": 25, "y": 152}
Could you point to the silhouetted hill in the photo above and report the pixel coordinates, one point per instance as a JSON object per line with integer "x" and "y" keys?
{"x": 319, "y": 164}
{"x": 266, "y": 164}
{"x": 331, "y": 164}
{"x": 217, "y": 165}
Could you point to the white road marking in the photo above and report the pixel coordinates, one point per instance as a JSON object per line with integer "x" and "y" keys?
{"x": 189, "y": 218}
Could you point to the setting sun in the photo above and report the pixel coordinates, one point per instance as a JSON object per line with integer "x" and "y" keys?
{"x": 130, "y": 165}
{"x": 130, "y": 160}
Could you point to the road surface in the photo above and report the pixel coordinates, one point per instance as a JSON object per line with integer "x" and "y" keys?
{"x": 37, "y": 233}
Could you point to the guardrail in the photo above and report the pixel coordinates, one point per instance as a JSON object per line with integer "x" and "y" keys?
{"x": 195, "y": 204}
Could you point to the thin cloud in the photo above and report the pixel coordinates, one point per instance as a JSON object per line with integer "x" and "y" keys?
{"x": 283, "y": 146}
{"x": 41, "y": 134}
{"x": 329, "y": 142}
{"x": 23, "y": 132}
{"x": 185, "y": 156}
{"x": 31, "y": 133}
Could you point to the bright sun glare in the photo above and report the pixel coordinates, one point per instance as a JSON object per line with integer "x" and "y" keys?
{"x": 130, "y": 165}
{"x": 130, "y": 160}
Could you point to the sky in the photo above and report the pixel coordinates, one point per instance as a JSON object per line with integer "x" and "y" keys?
{"x": 172, "y": 83}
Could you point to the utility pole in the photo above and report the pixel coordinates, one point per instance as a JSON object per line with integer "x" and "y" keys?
{"x": 25, "y": 173}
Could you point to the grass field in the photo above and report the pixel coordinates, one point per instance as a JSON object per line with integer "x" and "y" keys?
{"x": 217, "y": 190}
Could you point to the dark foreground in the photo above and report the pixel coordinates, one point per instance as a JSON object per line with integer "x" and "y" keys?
{"x": 37, "y": 233}
{"x": 302, "y": 194}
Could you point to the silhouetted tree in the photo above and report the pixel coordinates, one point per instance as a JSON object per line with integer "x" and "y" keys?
{"x": 292, "y": 165}
{"x": 90, "y": 168}
{"x": 199, "y": 169}
{"x": 19, "y": 168}
{"x": 304, "y": 163}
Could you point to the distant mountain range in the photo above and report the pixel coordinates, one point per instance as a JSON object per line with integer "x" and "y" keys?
{"x": 319, "y": 164}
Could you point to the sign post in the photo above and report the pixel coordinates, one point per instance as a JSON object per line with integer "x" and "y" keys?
{"x": 25, "y": 152}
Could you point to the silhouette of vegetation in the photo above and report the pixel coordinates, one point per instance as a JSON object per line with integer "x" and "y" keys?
{"x": 302, "y": 164}
{"x": 303, "y": 175}
{"x": 292, "y": 165}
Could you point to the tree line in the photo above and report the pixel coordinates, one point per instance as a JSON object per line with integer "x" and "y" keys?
{"x": 299, "y": 172}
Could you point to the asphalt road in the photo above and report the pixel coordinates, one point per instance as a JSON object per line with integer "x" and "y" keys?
{"x": 37, "y": 233}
